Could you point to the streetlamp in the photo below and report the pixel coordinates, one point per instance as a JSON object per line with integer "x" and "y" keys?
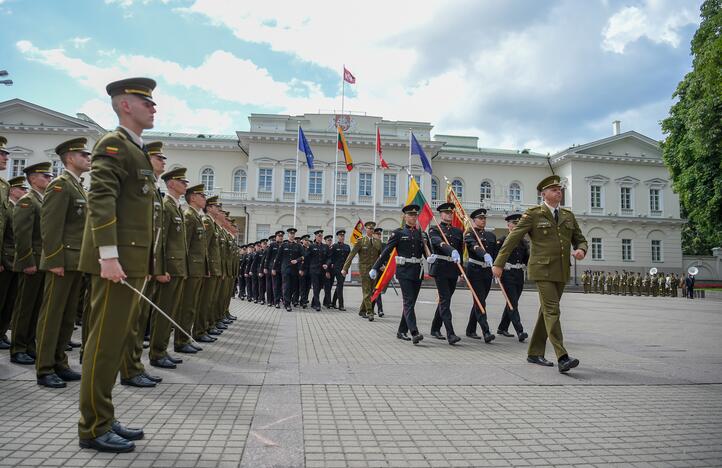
{"x": 5, "y": 82}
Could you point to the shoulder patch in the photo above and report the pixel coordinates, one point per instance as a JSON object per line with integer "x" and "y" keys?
{"x": 111, "y": 150}
{"x": 57, "y": 188}
{"x": 24, "y": 205}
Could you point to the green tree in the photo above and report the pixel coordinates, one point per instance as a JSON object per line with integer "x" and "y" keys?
{"x": 692, "y": 149}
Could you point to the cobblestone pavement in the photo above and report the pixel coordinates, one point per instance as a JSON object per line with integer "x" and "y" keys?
{"x": 326, "y": 389}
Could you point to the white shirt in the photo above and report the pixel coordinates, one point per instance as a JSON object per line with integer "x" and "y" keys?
{"x": 176, "y": 201}
{"x": 40, "y": 194}
{"x": 133, "y": 136}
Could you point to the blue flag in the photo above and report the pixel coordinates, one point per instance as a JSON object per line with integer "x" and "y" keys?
{"x": 304, "y": 147}
{"x": 416, "y": 149}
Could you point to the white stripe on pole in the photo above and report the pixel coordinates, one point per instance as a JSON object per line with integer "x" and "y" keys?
{"x": 296, "y": 178}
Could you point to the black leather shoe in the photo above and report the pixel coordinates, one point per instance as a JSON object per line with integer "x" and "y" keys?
{"x": 196, "y": 347}
{"x": 108, "y": 442}
{"x": 227, "y": 321}
{"x": 504, "y": 333}
{"x": 539, "y": 360}
{"x": 74, "y": 344}
{"x": 68, "y": 375}
{"x": 32, "y": 354}
{"x": 438, "y": 335}
{"x": 403, "y": 336}
{"x": 138, "y": 381}
{"x": 163, "y": 362}
{"x": 416, "y": 338}
{"x": 128, "y": 433}
{"x": 186, "y": 349}
{"x": 214, "y": 332}
{"x": 343, "y": 309}
{"x": 232, "y": 317}
{"x": 4, "y": 343}
{"x": 523, "y": 336}
{"x": 22, "y": 358}
{"x": 488, "y": 337}
{"x": 566, "y": 364}
{"x": 221, "y": 326}
{"x": 278, "y": 306}
{"x": 204, "y": 339}
{"x": 317, "y": 309}
{"x": 473, "y": 335}
{"x": 453, "y": 339}
{"x": 68, "y": 348}
{"x": 152, "y": 378}
{"x": 177, "y": 360}
{"x": 370, "y": 317}
{"x": 381, "y": 313}
{"x": 288, "y": 308}
{"x": 51, "y": 381}
{"x": 212, "y": 338}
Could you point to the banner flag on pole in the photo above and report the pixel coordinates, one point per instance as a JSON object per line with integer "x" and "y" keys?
{"x": 304, "y": 147}
{"x": 343, "y": 147}
{"x": 348, "y": 76}
{"x": 384, "y": 164}
{"x": 418, "y": 150}
{"x": 460, "y": 220}
{"x": 357, "y": 232}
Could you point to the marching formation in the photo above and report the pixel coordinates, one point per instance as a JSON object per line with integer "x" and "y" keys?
{"x": 134, "y": 264}
{"x": 631, "y": 284}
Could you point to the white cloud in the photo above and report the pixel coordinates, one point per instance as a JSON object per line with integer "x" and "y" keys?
{"x": 174, "y": 113}
{"x": 79, "y": 42}
{"x": 657, "y": 20}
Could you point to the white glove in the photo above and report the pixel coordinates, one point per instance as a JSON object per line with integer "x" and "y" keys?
{"x": 488, "y": 259}
{"x": 455, "y": 256}
{"x": 372, "y": 274}
{"x": 431, "y": 259}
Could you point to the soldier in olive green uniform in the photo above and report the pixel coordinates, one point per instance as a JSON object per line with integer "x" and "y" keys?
{"x": 197, "y": 248}
{"x": 170, "y": 288}
{"x": 553, "y": 231}
{"x": 28, "y": 246}
{"x": 116, "y": 247}
{"x": 368, "y": 250}
{"x": 132, "y": 370}
{"x": 204, "y": 324}
{"x": 585, "y": 282}
{"x": 8, "y": 277}
{"x": 595, "y": 281}
{"x": 62, "y": 222}
{"x": 6, "y": 273}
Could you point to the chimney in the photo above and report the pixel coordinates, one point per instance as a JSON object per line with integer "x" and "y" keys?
{"x": 616, "y": 127}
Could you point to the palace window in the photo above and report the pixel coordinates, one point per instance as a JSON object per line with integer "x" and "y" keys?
{"x": 289, "y": 181}
{"x": 597, "y": 248}
{"x": 458, "y": 187}
{"x": 627, "y": 250}
{"x": 365, "y": 181}
{"x": 484, "y": 191}
{"x": 514, "y": 192}
{"x": 265, "y": 180}
{"x": 315, "y": 182}
{"x": 656, "y": 250}
{"x": 240, "y": 181}
{"x": 208, "y": 179}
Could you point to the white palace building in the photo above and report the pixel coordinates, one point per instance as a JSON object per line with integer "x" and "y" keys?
{"x": 618, "y": 186}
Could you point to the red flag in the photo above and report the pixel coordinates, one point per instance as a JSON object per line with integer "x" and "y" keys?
{"x": 384, "y": 164}
{"x": 348, "y": 77}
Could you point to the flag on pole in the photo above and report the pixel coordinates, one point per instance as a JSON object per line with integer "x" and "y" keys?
{"x": 460, "y": 220}
{"x": 416, "y": 149}
{"x": 348, "y": 76}
{"x": 305, "y": 148}
{"x": 415, "y": 197}
{"x": 357, "y": 233}
{"x": 343, "y": 147}
{"x": 384, "y": 164}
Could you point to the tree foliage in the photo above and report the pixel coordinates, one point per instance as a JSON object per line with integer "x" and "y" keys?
{"x": 692, "y": 149}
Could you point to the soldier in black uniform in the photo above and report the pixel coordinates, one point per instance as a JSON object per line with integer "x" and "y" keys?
{"x": 241, "y": 273}
{"x": 304, "y": 283}
{"x": 287, "y": 261}
{"x": 327, "y": 277}
{"x": 409, "y": 242}
{"x": 259, "y": 271}
{"x": 513, "y": 281}
{"x": 339, "y": 252}
{"x": 317, "y": 254}
{"x": 478, "y": 270}
{"x": 275, "y": 279}
{"x": 252, "y": 278}
{"x": 271, "y": 248}
{"x": 444, "y": 269}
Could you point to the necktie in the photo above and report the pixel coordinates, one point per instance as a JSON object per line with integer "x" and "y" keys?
{"x": 556, "y": 215}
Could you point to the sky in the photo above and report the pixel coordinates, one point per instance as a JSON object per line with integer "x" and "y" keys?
{"x": 517, "y": 74}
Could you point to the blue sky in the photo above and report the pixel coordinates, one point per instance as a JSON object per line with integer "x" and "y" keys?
{"x": 517, "y": 74}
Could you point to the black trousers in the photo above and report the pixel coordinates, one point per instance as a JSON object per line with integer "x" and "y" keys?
{"x": 277, "y": 287}
{"x": 261, "y": 288}
{"x": 249, "y": 287}
{"x": 480, "y": 279}
{"x": 8, "y": 292}
{"x": 409, "y": 292}
{"x": 338, "y": 292}
{"x": 290, "y": 286}
{"x": 241, "y": 285}
{"x": 445, "y": 286}
{"x": 513, "y": 290}
{"x": 270, "y": 295}
{"x": 317, "y": 283}
{"x": 327, "y": 286}
{"x": 301, "y": 296}
{"x": 378, "y": 303}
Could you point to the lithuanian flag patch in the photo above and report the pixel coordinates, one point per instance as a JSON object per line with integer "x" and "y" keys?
{"x": 57, "y": 188}
{"x": 111, "y": 150}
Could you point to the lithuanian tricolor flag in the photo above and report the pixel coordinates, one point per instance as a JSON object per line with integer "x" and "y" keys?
{"x": 343, "y": 147}
{"x": 415, "y": 197}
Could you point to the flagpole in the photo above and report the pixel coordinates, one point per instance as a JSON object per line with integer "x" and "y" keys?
{"x": 335, "y": 165}
{"x": 295, "y": 197}
{"x": 375, "y": 187}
